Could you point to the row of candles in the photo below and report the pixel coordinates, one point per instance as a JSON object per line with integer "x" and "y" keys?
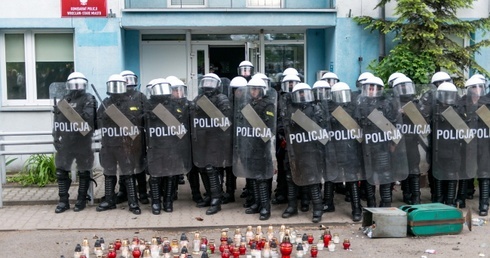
{"x": 251, "y": 244}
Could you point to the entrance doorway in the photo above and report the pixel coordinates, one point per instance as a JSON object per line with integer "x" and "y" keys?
{"x": 225, "y": 60}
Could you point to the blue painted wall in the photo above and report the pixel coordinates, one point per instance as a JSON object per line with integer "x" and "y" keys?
{"x": 315, "y": 53}
{"x": 131, "y": 48}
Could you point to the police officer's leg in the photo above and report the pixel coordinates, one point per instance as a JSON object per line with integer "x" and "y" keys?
{"x": 170, "y": 183}
{"x": 470, "y": 189}
{"x": 355, "y": 201}
{"x": 205, "y": 181}
{"x": 254, "y": 193}
{"x": 292, "y": 208}
{"x": 407, "y": 195}
{"x": 305, "y": 198}
{"x": 230, "y": 183}
{"x": 328, "y": 193}
{"x": 450, "y": 197}
{"x": 64, "y": 183}
{"x": 385, "y": 194}
{"x": 462, "y": 191}
{"x": 484, "y": 185}
{"x": 130, "y": 183}
{"x": 438, "y": 192}
{"x": 193, "y": 178}
{"x": 216, "y": 190}
{"x": 250, "y": 197}
{"x": 281, "y": 191}
{"x": 316, "y": 200}
{"x": 83, "y": 186}
{"x": 122, "y": 194}
{"x": 265, "y": 199}
{"x": 109, "y": 199}
{"x": 414, "y": 184}
{"x": 155, "y": 184}
{"x": 142, "y": 188}
{"x": 370, "y": 191}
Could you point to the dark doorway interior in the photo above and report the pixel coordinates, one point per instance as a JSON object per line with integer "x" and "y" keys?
{"x": 225, "y": 60}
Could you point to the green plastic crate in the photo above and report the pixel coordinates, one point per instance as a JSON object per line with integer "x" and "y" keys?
{"x": 433, "y": 219}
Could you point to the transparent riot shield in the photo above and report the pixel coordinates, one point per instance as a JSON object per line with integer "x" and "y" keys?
{"x": 168, "y": 137}
{"x": 211, "y": 133}
{"x": 482, "y": 128}
{"x": 306, "y": 135}
{"x": 254, "y": 140}
{"x": 345, "y": 154}
{"x": 73, "y": 128}
{"x": 57, "y": 90}
{"x": 383, "y": 145}
{"x": 454, "y": 143}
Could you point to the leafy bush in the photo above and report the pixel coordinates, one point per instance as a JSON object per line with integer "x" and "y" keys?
{"x": 39, "y": 169}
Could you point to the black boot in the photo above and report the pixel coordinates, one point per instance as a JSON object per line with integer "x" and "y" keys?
{"x": 281, "y": 192}
{"x": 229, "y": 195}
{"x": 414, "y": 184}
{"x": 255, "y": 190}
{"x": 292, "y": 208}
{"x": 438, "y": 192}
{"x": 316, "y": 200}
{"x": 265, "y": 199}
{"x": 250, "y": 198}
{"x": 370, "y": 194}
{"x": 64, "y": 183}
{"x": 181, "y": 180}
{"x": 193, "y": 178}
{"x": 206, "y": 201}
{"x": 462, "y": 191}
{"x": 168, "y": 199}
{"x": 407, "y": 194}
{"x": 122, "y": 194}
{"x": 450, "y": 198}
{"x": 385, "y": 194}
{"x": 156, "y": 206}
{"x": 142, "y": 189}
{"x": 305, "y": 198}
{"x": 484, "y": 185}
{"x": 216, "y": 190}
{"x": 83, "y": 185}
{"x": 132, "y": 199}
{"x": 109, "y": 202}
{"x": 470, "y": 189}
{"x": 328, "y": 205}
{"x": 355, "y": 201}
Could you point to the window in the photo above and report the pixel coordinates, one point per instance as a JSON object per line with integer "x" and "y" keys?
{"x": 278, "y": 57}
{"x": 34, "y": 60}
{"x": 264, "y": 3}
{"x": 187, "y": 3}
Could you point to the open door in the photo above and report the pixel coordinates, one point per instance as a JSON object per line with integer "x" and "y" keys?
{"x": 200, "y": 66}
{"x": 252, "y": 54}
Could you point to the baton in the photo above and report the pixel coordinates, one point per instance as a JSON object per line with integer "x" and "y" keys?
{"x": 98, "y": 96}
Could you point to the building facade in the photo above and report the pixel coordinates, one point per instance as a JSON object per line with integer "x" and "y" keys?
{"x": 41, "y": 42}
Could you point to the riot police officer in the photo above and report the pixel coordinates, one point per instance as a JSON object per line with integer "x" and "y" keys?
{"x": 346, "y": 160}
{"x": 331, "y": 78}
{"x": 415, "y": 129}
{"x": 74, "y": 125}
{"x": 211, "y": 126}
{"x": 307, "y": 134}
{"x": 385, "y": 160}
{"x": 119, "y": 117}
{"x": 132, "y": 90}
{"x": 246, "y": 70}
{"x": 254, "y": 143}
{"x": 168, "y": 140}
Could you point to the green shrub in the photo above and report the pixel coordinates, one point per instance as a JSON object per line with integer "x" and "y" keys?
{"x": 39, "y": 169}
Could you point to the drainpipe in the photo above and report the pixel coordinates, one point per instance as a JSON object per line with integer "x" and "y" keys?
{"x": 382, "y": 40}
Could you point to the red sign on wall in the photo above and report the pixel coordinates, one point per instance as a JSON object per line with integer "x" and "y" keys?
{"x": 83, "y": 8}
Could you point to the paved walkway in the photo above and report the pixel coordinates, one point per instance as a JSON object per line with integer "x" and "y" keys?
{"x": 32, "y": 208}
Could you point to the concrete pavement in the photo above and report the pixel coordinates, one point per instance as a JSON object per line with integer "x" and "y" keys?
{"x": 32, "y": 208}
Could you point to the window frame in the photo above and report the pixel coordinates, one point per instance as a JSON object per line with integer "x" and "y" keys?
{"x": 170, "y": 5}
{"x": 31, "y": 102}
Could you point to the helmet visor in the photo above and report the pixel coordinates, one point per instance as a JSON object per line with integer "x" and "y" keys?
{"x": 245, "y": 71}
{"x": 116, "y": 87}
{"x": 437, "y": 83}
{"x": 341, "y": 96}
{"x": 331, "y": 81}
{"x": 322, "y": 93}
{"x": 209, "y": 82}
{"x": 406, "y": 88}
{"x": 256, "y": 91}
{"x": 76, "y": 84}
{"x": 179, "y": 92}
{"x": 476, "y": 90}
{"x": 287, "y": 86}
{"x": 372, "y": 90}
{"x": 161, "y": 89}
{"x": 447, "y": 97}
{"x": 302, "y": 96}
{"x": 132, "y": 80}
